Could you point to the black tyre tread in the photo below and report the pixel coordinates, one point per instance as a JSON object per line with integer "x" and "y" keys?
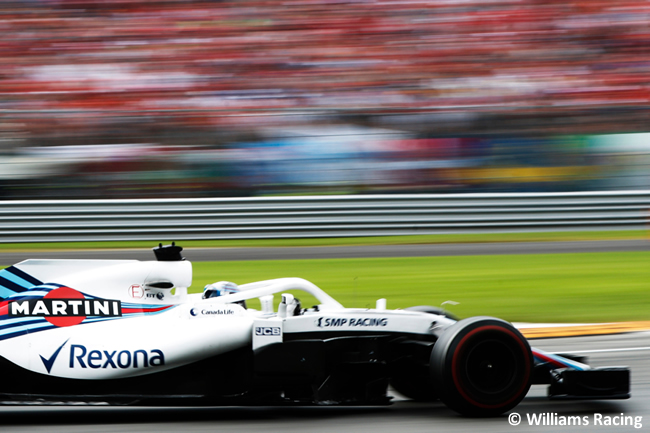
{"x": 493, "y": 329}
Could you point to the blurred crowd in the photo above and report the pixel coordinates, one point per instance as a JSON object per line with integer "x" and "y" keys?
{"x": 199, "y": 87}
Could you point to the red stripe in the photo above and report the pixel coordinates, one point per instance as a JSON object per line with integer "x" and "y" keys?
{"x": 144, "y": 310}
{"x": 547, "y": 359}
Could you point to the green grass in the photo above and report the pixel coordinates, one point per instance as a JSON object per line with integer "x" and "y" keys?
{"x": 563, "y": 288}
{"x": 590, "y": 287}
{"x": 379, "y": 240}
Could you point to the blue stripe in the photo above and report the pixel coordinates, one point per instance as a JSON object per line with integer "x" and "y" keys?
{"x": 566, "y": 362}
{"x": 101, "y": 319}
{"x": 24, "y": 275}
{"x": 30, "y": 294}
{"x": 5, "y": 293}
{"x": 50, "y": 286}
{"x": 145, "y": 306}
{"x": 8, "y": 336}
{"x": 7, "y": 274}
{"x": 11, "y": 327}
{"x": 10, "y": 285}
{"x": 35, "y": 293}
{"x": 20, "y": 321}
{"x": 22, "y": 332}
{"x": 26, "y": 328}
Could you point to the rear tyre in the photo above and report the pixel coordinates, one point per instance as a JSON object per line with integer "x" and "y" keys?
{"x": 481, "y": 366}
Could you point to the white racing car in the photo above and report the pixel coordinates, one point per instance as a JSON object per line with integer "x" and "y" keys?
{"x": 128, "y": 332}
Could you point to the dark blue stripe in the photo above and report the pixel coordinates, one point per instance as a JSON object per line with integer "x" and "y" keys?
{"x": 24, "y": 275}
{"x": 11, "y": 285}
{"x": 24, "y": 331}
{"x": 23, "y": 323}
{"x": 8, "y": 336}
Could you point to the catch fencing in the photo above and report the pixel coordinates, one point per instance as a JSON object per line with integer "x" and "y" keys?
{"x": 319, "y": 216}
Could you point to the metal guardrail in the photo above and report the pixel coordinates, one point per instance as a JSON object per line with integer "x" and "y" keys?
{"x": 319, "y": 216}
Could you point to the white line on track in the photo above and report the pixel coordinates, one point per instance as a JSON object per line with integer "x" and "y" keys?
{"x": 623, "y": 349}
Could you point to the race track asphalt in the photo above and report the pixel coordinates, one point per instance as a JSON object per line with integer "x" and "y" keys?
{"x": 369, "y": 251}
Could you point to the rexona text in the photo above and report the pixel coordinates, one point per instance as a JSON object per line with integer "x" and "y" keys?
{"x": 80, "y": 356}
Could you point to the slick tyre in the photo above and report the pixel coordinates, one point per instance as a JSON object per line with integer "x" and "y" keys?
{"x": 481, "y": 366}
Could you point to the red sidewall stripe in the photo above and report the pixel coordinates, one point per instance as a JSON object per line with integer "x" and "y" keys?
{"x": 454, "y": 369}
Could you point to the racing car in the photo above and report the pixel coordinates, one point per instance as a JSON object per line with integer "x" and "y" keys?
{"x": 128, "y": 332}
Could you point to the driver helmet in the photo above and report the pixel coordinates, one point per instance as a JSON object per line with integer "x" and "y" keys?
{"x": 220, "y": 288}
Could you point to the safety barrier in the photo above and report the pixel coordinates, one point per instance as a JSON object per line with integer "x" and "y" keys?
{"x": 319, "y": 216}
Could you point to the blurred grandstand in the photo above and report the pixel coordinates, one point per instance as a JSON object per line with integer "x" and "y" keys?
{"x": 181, "y": 98}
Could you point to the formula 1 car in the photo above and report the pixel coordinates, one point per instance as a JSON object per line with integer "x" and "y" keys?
{"x": 128, "y": 332}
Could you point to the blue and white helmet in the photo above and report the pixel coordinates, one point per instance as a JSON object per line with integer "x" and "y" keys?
{"x": 219, "y": 288}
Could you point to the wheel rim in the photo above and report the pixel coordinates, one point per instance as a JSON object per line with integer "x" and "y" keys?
{"x": 490, "y": 367}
